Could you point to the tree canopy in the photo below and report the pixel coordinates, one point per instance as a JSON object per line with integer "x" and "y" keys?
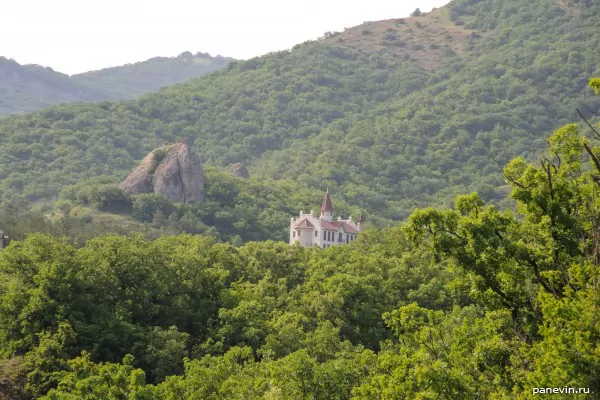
{"x": 461, "y": 302}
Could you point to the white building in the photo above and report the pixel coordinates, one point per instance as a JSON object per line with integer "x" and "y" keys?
{"x": 308, "y": 229}
{"x": 3, "y": 240}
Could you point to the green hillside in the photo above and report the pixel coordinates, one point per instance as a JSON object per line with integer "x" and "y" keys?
{"x": 26, "y": 88}
{"x": 411, "y": 119}
{"x": 464, "y": 303}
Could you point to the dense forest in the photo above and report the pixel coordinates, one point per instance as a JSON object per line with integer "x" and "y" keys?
{"x": 464, "y": 303}
{"x": 32, "y": 87}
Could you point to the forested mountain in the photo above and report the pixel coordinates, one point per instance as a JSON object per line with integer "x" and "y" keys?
{"x": 32, "y": 87}
{"x": 390, "y": 114}
{"x": 463, "y": 303}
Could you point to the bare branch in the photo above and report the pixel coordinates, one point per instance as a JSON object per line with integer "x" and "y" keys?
{"x": 596, "y": 134}
{"x": 593, "y": 157}
{"x": 592, "y": 111}
{"x": 506, "y": 176}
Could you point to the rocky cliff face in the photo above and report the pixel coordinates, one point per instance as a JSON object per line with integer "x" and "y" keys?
{"x": 174, "y": 171}
{"x": 239, "y": 170}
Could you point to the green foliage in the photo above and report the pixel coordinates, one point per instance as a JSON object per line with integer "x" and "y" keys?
{"x": 49, "y": 357}
{"x": 88, "y": 380}
{"x": 180, "y": 295}
{"x": 595, "y": 84}
{"x": 100, "y": 193}
{"x": 157, "y": 156}
{"x": 144, "y": 206}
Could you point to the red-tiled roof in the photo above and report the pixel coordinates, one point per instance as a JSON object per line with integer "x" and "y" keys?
{"x": 330, "y": 226}
{"x": 349, "y": 228}
{"x": 327, "y": 206}
{"x": 304, "y": 224}
{"x": 337, "y": 225}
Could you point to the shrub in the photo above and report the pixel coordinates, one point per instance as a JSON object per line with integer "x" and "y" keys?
{"x": 110, "y": 198}
{"x": 146, "y": 205}
{"x": 157, "y": 156}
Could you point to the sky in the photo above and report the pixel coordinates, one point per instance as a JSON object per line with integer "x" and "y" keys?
{"x": 74, "y": 36}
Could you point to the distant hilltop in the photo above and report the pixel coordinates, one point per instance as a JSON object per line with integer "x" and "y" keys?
{"x": 32, "y": 87}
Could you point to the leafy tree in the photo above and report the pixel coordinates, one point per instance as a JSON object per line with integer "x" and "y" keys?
{"x": 86, "y": 379}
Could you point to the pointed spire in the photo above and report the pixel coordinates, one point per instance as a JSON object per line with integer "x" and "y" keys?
{"x": 327, "y": 205}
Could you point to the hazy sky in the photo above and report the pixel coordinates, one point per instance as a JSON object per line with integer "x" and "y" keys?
{"x": 74, "y": 36}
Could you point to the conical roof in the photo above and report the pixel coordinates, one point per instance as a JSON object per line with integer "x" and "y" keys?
{"x": 327, "y": 205}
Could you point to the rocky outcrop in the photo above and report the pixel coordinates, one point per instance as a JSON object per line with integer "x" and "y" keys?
{"x": 174, "y": 171}
{"x": 239, "y": 170}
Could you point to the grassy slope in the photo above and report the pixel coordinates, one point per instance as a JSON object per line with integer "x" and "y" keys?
{"x": 389, "y": 127}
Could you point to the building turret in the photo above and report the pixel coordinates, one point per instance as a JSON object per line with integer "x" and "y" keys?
{"x": 360, "y": 223}
{"x": 327, "y": 208}
{"x": 3, "y": 239}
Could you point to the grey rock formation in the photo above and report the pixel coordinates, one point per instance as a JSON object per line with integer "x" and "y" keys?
{"x": 239, "y": 170}
{"x": 174, "y": 171}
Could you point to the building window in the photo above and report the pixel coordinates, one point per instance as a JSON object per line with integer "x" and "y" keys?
{"x": 299, "y": 233}
{"x": 324, "y": 235}
{"x": 294, "y": 234}
{"x": 340, "y": 237}
{"x": 316, "y": 233}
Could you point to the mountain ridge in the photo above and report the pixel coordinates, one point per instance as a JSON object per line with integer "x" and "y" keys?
{"x": 30, "y": 87}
